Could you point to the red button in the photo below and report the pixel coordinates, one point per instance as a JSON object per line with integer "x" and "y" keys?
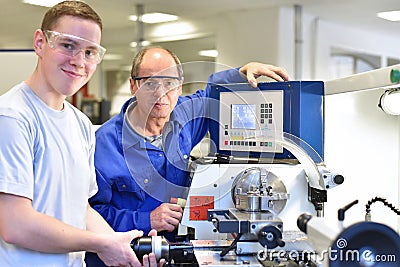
{"x": 226, "y": 143}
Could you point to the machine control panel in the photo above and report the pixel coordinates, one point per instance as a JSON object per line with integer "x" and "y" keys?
{"x": 249, "y": 120}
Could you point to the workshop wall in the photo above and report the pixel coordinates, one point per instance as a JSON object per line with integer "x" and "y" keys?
{"x": 16, "y": 66}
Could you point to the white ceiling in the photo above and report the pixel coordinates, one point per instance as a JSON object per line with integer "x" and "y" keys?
{"x": 18, "y": 21}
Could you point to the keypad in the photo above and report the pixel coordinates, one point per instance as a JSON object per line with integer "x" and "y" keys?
{"x": 266, "y": 113}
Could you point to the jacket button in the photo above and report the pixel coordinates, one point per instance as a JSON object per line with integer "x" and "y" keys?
{"x": 185, "y": 156}
{"x": 145, "y": 181}
{"x": 123, "y": 186}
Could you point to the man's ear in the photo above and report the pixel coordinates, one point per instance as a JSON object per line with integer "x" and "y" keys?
{"x": 133, "y": 86}
{"x": 38, "y": 40}
{"x": 180, "y": 87}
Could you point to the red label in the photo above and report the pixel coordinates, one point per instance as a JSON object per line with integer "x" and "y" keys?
{"x": 199, "y": 206}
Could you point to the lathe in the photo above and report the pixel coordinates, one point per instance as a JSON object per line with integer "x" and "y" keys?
{"x": 257, "y": 198}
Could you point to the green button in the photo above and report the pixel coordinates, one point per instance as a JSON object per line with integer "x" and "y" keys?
{"x": 395, "y": 76}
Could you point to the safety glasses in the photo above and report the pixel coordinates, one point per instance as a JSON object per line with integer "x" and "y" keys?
{"x": 152, "y": 83}
{"x": 71, "y": 45}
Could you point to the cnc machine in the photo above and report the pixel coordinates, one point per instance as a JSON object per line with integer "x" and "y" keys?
{"x": 258, "y": 198}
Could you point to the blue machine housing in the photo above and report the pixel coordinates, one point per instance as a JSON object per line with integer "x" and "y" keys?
{"x": 302, "y": 114}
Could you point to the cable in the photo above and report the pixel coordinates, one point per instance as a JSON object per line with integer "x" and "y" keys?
{"x": 384, "y": 201}
{"x": 233, "y": 244}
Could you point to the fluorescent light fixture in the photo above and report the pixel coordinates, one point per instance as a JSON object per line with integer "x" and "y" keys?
{"x": 154, "y": 17}
{"x": 390, "y": 15}
{"x": 208, "y": 53}
{"x": 180, "y": 37}
{"x": 143, "y": 43}
{"x": 112, "y": 57}
{"x": 174, "y": 28}
{"x": 390, "y": 101}
{"x": 46, "y": 3}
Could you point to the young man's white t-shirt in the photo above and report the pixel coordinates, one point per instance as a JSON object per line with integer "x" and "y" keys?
{"x": 46, "y": 156}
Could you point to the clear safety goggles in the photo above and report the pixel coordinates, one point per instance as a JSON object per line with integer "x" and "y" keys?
{"x": 152, "y": 83}
{"x": 71, "y": 45}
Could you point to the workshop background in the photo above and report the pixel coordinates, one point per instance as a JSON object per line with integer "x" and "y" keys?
{"x": 313, "y": 39}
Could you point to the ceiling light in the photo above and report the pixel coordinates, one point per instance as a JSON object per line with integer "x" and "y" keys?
{"x": 155, "y": 17}
{"x": 108, "y": 56}
{"x": 142, "y": 43}
{"x": 390, "y": 15}
{"x": 208, "y": 53}
{"x": 390, "y": 101}
{"x": 46, "y": 3}
{"x": 180, "y": 37}
{"x": 174, "y": 28}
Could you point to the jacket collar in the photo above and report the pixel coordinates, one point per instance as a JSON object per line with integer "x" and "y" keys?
{"x": 133, "y": 139}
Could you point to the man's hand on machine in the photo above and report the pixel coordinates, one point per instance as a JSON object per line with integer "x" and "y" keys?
{"x": 253, "y": 70}
{"x": 166, "y": 217}
{"x": 118, "y": 252}
{"x": 150, "y": 259}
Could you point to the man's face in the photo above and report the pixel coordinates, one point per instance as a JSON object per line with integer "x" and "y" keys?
{"x": 158, "y": 90}
{"x": 65, "y": 74}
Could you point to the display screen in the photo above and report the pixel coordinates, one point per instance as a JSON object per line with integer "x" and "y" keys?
{"x": 243, "y": 116}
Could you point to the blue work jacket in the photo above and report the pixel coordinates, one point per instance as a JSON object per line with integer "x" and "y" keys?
{"x": 134, "y": 177}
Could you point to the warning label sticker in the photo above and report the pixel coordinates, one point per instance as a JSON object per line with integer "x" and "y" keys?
{"x": 199, "y": 205}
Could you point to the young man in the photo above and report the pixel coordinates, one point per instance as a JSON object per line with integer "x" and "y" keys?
{"x": 46, "y": 153}
{"x": 142, "y": 154}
